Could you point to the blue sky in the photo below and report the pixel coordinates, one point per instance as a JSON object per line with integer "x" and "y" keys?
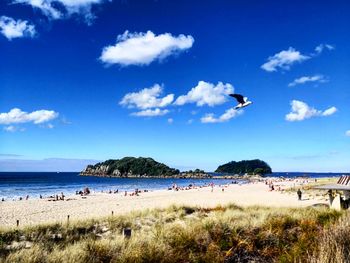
{"x": 93, "y": 80}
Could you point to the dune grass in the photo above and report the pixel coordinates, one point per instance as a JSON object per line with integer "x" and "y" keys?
{"x": 177, "y": 234}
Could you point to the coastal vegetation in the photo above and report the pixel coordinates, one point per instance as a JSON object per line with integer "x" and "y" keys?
{"x": 256, "y": 167}
{"x": 188, "y": 234}
{"x": 148, "y": 167}
{"x": 130, "y": 167}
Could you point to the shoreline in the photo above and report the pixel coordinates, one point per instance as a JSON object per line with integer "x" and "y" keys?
{"x": 95, "y": 205}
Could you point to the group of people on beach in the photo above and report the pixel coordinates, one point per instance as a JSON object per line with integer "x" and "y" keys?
{"x": 86, "y": 191}
{"x": 274, "y": 184}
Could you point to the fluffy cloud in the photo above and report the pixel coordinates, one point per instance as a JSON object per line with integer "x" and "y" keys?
{"x": 229, "y": 114}
{"x": 147, "y": 98}
{"x": 170, "y": 120}
{"x": 304, "y": 79}
{"x": 11, "y": 28}
{"x": 18, "y": 116}
{"x": 283, "y": 60}
{"x": 56, "y": 9}
{"x": 301, "y": 111}
{"x": 347, "y": 133}
{"x": 322, "y": 47}
{"x": 144, "y": 48}
{"x": 286, "y": 58}
{"x": 206, "y": 93}
{"x": 150, "y": 113}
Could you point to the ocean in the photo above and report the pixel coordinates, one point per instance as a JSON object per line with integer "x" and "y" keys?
{"x": 19, "y": 184}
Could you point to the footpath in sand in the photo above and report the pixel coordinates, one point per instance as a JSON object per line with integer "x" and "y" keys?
{"x": 38, "y": 211}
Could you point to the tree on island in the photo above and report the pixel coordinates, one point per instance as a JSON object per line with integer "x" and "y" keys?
{"x": 196, "y": 171}
{"x": 129, "y": 166}
{"x": 245, "y": 167}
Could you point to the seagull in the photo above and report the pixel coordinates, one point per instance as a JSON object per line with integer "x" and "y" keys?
{"x": 242, "y": 101}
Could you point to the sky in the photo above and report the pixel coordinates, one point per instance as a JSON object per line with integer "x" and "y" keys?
{"x": 83, "y": 81}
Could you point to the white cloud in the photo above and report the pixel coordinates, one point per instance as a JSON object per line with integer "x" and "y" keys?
{"x": 347, "y": 133}
{"x": 229, "y": 114}
{"x": 170, "y": 120}
{"x": 18, "y": 116}
{"x": 147, "y": 98}
{"x": 301, "y": 111}
{"x": 286, "y": 58}
{"x": 206, "y": 93}
{"x": 150, "y": 113}
{"x": 11, "y": 28}
{"x": 283, "y": 60}
{"x": 144, "y": 48}
{"x": 12, "y": 128}
{"x": 190, "y": 121}
{"x": 304, "y": 79}
{"x": 321, "y": 47}
{"x": 56, "y": 9}
{"x": 329, "y": 111}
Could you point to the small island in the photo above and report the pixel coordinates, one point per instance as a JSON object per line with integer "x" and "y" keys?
{"x": 141, "y": 167}
{"x": 250, "y": 167}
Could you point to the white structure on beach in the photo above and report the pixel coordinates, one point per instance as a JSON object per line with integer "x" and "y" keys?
{"x": 338, "y": 201}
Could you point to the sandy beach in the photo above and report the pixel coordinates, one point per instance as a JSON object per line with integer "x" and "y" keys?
{"x": 38, "y": 211}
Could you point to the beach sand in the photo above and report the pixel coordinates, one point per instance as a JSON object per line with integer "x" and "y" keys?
{"x": 38, "y": 211}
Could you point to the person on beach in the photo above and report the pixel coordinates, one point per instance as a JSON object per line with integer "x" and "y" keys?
{"x": 299, "y": 194}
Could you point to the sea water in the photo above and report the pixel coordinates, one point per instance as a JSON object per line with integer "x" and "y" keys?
{"x": 20, "y": 184}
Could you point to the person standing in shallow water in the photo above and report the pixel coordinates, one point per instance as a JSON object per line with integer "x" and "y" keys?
{"x": 299, "y": 194}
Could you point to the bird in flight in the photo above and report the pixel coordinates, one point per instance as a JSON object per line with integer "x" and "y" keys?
{"x": 242, "y": 101}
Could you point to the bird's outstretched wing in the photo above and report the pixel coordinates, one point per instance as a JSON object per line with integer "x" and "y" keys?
{"x": 238, "y": 97}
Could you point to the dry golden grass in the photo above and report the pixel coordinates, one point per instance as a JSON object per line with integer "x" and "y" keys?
{"x": 176, "y": 234}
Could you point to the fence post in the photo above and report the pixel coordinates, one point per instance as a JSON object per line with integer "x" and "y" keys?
{"x": 127, "y": 232}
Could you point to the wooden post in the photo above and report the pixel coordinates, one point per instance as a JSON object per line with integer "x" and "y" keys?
{"x": 112, "y": 213}
{"x": 17, "y": 222}
{"x": 127, "y": 232}
{"x": 67, "y": 219}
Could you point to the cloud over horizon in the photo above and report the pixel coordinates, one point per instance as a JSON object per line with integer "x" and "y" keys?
{"x": 15, "y": 164}
{"x": 147, "y": 99}
{"x": 229, "y": 114}
{"x": 301, "y": 111}
{"x": 206, "y": 93}
{"x": 302, "y": 80}
{"x": 12, "y": 28}
{"x": 16, "y": 115}
{"x": 150, "y": 102}
{"x": 150, "y": 113}
{"x": 144, "y": 48}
